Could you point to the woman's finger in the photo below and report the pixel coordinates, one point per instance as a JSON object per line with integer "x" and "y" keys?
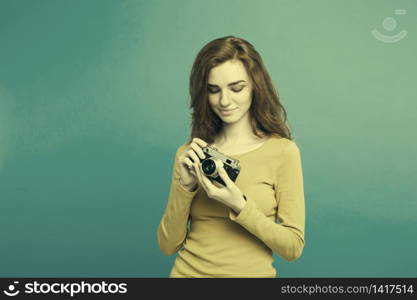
{"x": 193, "y": 172}
{"x": 193, "y": 155}
{"x": 198, "y": 150}
{"x": 200, "y": 142}
{"x": 223, "y": 175}
{"x": 188, "y": 163}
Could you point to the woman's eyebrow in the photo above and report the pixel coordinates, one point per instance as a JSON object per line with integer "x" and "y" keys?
{"x": 230, "y": 84}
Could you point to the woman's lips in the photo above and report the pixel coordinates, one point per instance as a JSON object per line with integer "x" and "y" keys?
{"x": 227, "y": 112}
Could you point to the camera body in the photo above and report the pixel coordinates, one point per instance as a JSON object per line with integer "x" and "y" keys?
{"x": 210, "y": 167}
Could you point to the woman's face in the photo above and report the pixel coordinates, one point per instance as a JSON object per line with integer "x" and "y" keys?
{"x": 230, "y": 91}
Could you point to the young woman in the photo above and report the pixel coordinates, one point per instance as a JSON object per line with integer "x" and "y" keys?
{"x": 231, "y": 230}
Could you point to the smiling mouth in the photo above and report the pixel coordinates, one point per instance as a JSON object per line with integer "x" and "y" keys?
{"x": 224, "y": 110}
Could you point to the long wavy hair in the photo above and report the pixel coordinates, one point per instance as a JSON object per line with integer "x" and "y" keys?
{"x": 268, "y": 116}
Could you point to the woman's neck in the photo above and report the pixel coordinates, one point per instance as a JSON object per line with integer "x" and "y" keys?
{"x": 236, "y": 135}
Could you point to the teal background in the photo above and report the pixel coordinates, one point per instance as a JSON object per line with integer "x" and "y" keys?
{"x": 94, "y": 103}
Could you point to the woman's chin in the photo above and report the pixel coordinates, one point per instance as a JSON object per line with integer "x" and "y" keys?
{"x": 228, "y": 119}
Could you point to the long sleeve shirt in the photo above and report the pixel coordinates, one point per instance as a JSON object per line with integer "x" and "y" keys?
{"x": 222, "y": 243}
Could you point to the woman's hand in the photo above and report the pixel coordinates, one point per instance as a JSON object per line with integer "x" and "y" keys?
{"x": 186, "y": 161}
{"x": 229, "y": 195}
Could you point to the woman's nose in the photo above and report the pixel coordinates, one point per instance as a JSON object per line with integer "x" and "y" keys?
{"x": 224, "y": 99}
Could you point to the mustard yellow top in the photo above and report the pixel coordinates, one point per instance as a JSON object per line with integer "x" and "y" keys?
{"x": 221, "y": 243}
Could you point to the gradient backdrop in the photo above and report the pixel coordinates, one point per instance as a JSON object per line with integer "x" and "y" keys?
{"x": 94, "y": 103}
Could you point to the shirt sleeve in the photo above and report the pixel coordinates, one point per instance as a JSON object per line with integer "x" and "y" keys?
{"x": 172, "y": 229}
{"x": 286, "y": 238}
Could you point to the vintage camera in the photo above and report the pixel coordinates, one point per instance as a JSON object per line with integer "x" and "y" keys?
{"x": 210, "y": 166}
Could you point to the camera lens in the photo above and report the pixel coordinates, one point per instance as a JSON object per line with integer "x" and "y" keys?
{"x": 208, "y": 166}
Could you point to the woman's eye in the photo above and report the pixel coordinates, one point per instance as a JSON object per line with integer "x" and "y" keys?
{"x": 216, "y": 91}
{"x": 237, "y": 91}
